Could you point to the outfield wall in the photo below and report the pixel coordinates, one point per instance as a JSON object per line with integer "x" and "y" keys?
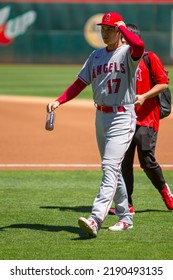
{"x": 39, "y": 31}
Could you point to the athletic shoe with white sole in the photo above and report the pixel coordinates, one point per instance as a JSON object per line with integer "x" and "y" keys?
{"x": 120, "y": 226}
{"x": 89, "y": 226}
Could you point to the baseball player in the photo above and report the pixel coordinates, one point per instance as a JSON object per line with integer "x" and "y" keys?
{"x": 111, "y": 72}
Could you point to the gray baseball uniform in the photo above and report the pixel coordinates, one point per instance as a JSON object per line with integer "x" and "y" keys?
{"x": 109, "y": 73}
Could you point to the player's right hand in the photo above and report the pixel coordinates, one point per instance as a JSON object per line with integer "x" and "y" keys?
{"x": 52, "y": 106}
{"x": 118, "y": 23}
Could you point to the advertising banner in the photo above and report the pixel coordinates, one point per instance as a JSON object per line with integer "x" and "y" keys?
{"x": 65, "y": 32}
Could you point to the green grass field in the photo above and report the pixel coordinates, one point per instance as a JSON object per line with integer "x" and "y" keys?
{"x": 38, "y": 80}
{"x": 44, "y": 80}
{"x": 39, "y": 209}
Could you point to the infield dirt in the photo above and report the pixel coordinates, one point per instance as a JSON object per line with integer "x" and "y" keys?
{"x": 25, "y": 141}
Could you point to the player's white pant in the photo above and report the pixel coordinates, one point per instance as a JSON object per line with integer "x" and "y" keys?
{"x": 114, "y": 132}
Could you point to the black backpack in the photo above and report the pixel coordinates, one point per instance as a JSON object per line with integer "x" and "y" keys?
{"x": 164, "y": 97}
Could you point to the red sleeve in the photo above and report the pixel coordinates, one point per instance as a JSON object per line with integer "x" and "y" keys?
{"x": 72, "y": 91}
{"x": 136, "y": 44}
{"x": 157, "y": 69}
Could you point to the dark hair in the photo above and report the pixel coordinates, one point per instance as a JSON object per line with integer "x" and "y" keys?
{"x": 133, "y": 28}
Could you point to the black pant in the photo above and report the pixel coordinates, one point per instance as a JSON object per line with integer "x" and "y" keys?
{"x": 145, "y": 140}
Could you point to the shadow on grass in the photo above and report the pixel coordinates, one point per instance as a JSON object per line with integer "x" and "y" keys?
{"x": 87, "y": 209}
{"x": 151, "y": 210}
{"x": 83, "y": 209}
{"x": 71, "y": 229}
{"x": 49, "y": 228}
{"x": 146, "y": 211}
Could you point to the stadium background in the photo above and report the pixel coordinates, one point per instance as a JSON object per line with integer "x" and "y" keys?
{"x": 59, "y": 32}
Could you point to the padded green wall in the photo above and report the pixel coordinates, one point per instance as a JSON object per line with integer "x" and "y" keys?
{"x": 57, "y": 35}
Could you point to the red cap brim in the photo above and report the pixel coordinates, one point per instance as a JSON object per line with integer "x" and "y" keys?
{"x": 105, "y": 23}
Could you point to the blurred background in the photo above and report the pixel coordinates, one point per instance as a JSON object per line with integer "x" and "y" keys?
{"x": 65, "y": 32}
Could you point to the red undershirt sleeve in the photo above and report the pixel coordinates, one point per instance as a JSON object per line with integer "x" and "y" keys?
{"x": 135, "y": 42}
{"x": 72, "y": 91}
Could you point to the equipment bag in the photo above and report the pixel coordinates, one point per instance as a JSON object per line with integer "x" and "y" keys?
{"x": 163, "y": 97}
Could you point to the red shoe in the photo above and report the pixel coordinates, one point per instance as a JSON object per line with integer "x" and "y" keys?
{"x": 131, "y": 210}
{"x": 167, "y": 197}
{"x": 112, "y": 211}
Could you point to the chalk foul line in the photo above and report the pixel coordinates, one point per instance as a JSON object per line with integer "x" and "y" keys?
{"x": 61, "y": 165}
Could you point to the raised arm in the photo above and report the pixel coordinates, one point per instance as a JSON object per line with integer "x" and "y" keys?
{"x": 136, "y": 44}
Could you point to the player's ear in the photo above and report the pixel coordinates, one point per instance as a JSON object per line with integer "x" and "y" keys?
{"x": 122, "y": 39}
{"x": 119, "y": 35}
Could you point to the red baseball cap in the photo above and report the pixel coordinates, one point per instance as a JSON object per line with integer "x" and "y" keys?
{"x": 111, "y": 19}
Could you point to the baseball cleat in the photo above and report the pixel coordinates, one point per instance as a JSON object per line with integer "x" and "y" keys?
{"x": 89, "y": 226}
{"x": 120, "y": 226}
{"x": 167, "y": 197}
